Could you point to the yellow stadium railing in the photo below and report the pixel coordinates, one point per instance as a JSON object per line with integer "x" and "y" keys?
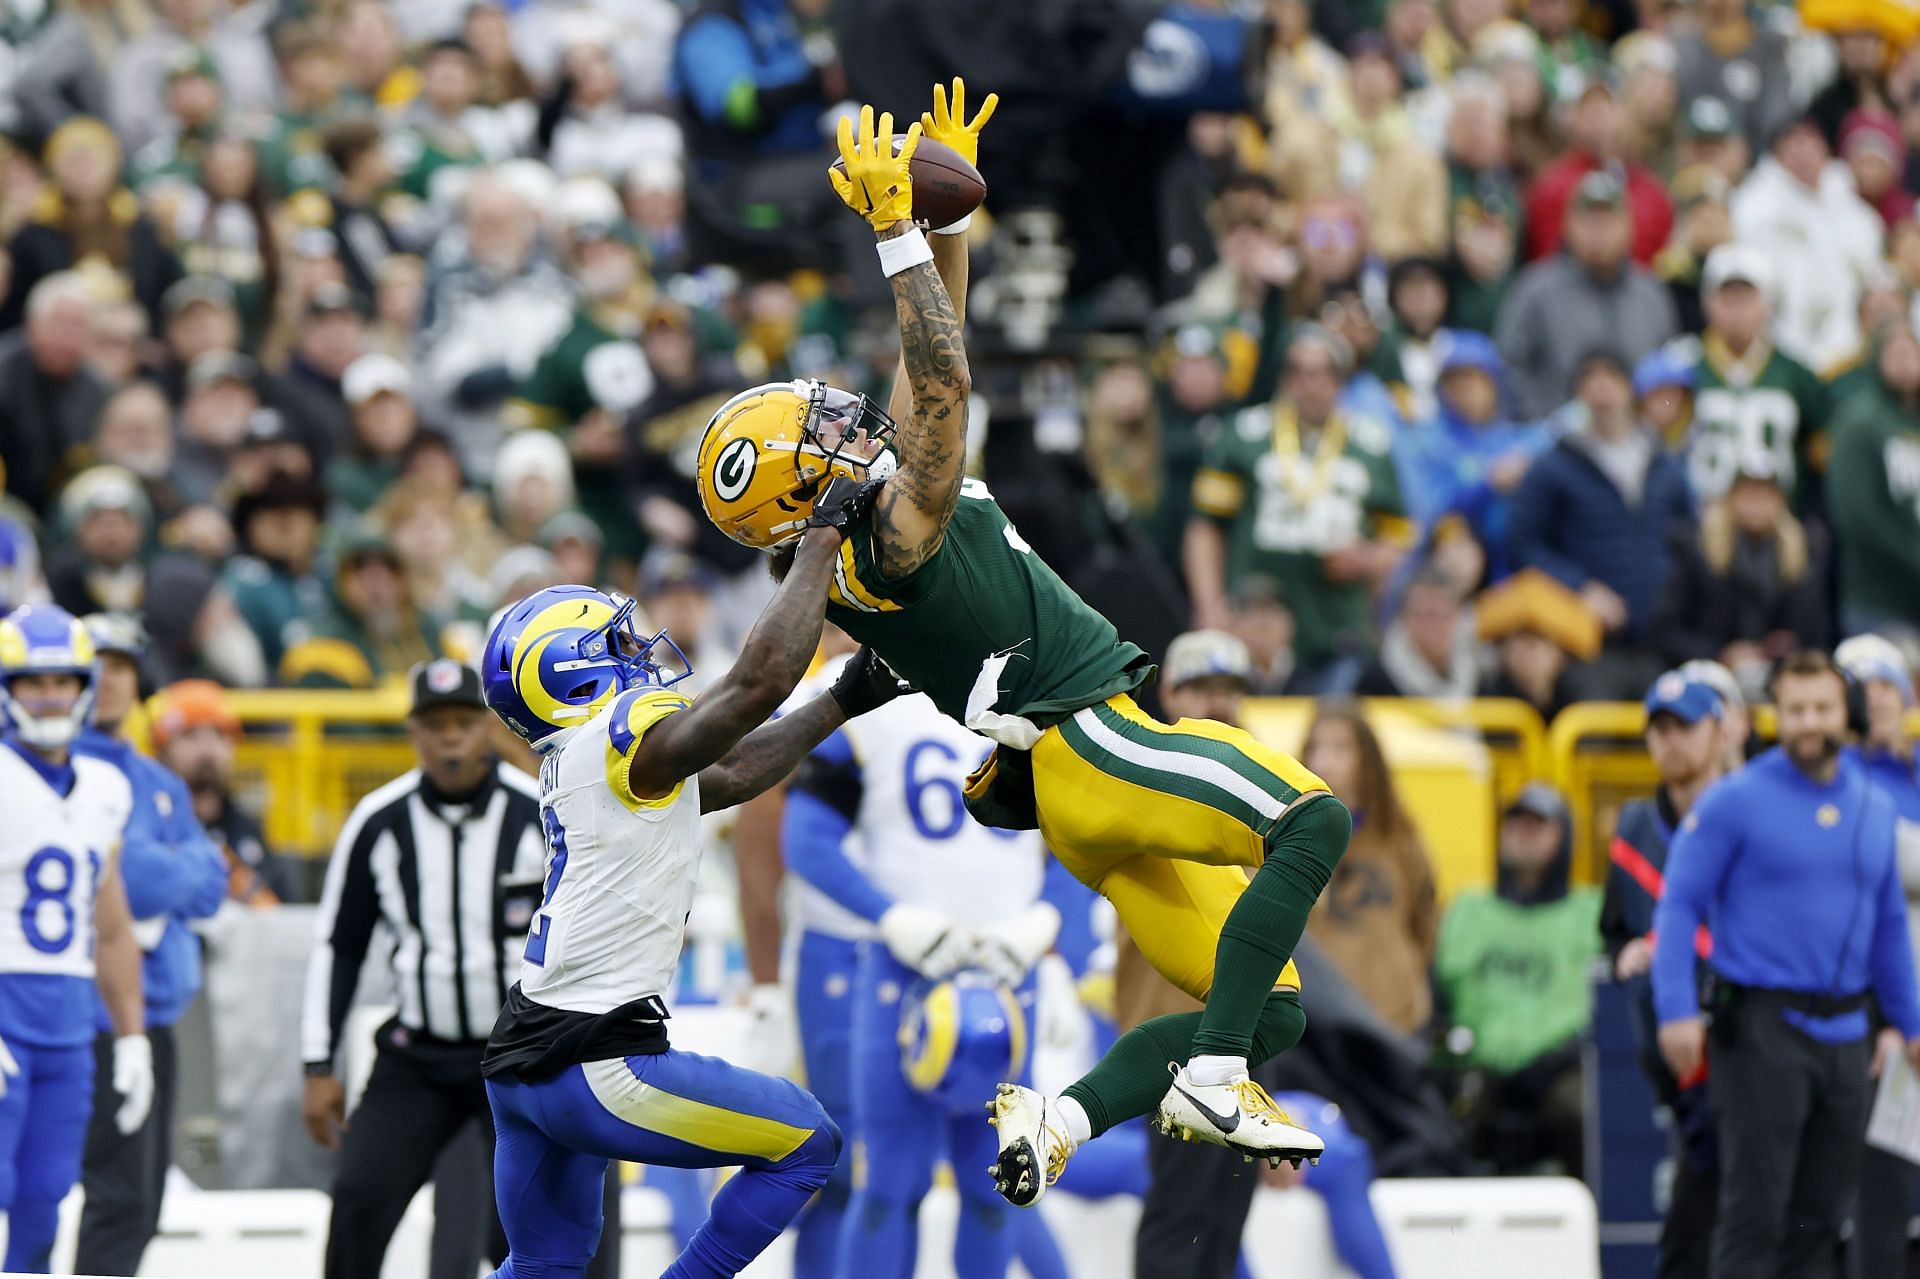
{"x": 308, "y": 756}
{"x": 1599, "y": 761}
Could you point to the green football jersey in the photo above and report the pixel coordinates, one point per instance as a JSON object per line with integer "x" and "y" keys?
{"x": 1285, "y": 510}
{"x": 1773, "y": 418}
{"x": 984, "y": 626}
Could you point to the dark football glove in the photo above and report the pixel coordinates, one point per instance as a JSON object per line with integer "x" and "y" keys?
{"x": 866, "y": 683}
{"x": 842, "y": 502}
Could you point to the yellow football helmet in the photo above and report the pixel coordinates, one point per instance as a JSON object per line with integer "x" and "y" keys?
{"x": 769, "y": 449}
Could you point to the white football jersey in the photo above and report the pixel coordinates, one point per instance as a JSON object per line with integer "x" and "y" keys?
{"x": 620, "y": 870}
{"x": 919, "y": 844}
{"x": 53, "y": 850}
{"x": 808, "y": 909}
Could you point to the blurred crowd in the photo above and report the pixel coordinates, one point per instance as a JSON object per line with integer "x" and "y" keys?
{"x": 1454, "y": 348}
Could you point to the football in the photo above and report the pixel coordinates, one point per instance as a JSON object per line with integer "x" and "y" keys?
{"x": 945, "y": 187}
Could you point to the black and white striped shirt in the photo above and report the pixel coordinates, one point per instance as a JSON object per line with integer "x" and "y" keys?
{"x": 454, "y": 886}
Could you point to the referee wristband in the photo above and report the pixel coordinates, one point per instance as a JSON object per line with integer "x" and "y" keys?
{"x": 904, "y": 252}
{"x": 955, "y": 228}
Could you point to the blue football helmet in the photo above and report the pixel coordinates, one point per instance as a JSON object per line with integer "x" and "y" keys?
{"x": 560, "y": 655}
{"x": 960, "y": 1038}
{"x": 44, "y": 639}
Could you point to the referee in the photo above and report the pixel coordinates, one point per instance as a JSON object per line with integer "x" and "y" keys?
{"x": 447, "y": 861}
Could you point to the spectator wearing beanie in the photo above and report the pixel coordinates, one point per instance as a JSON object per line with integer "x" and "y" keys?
{"x": 1470, "y": 458}
{"x": 194, "y": 733}
{"x": 1875, "y": 152}
{"x": 370, "y": 631}
{"x": 1589, "y": 296}
{"x": 532, "y": 482}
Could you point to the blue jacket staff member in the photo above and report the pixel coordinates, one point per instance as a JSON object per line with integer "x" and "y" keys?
{"x": 1790, "y": 863}
{"x": 174, "y": 875}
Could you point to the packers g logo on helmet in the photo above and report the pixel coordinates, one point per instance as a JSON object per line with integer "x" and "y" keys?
{"x": 734, "y": 469}
{"x": 768, "y": 450}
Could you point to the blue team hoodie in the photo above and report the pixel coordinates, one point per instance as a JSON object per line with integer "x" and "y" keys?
{"x": 1799, "y": 884}
{"x": 1445, "y": 463}
{"x": 173, "y": 873}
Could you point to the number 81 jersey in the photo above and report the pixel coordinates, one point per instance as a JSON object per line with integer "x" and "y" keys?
{"x": 53, "y": 849}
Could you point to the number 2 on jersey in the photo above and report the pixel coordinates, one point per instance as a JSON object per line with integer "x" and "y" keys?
{"x": 556, "y": 867}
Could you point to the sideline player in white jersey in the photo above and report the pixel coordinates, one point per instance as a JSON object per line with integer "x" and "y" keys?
{"x": 579, "y": 1070}
{"x": 936, "y": 1014}
{"x": 63, "y": 918}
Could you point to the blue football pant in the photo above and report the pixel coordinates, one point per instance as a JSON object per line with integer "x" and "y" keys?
{"x": 43, "y": 1134}
{"x": 824, "y": 972}
{"x": 1342, "y": 1179}
{"x": 900, "y": 1134}
{"x": 553, "y": 1140}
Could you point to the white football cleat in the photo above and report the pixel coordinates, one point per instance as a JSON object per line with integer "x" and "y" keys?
{"x": 1033, "y": 1144}
{"x": 1238, "y": 1115}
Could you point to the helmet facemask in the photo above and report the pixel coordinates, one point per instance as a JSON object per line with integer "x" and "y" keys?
{"x": 836, "y": 424}
{"x": 616, "y": 643}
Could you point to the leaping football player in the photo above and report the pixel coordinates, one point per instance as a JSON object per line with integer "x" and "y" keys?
{"x": 1165, "y": 820}
{"x": 579, "y": 1070}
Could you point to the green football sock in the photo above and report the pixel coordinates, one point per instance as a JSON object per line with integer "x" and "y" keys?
{"x": 1132, "y": 1078}
{"x": 1265, "y": 925}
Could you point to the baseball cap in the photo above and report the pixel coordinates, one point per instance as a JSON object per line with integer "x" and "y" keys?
{"x": 104, "y": 488}
{"x": 1198, "y": 654}
{"x": 1708, "y": 117}
{"x": 216, "y": 367}
{"x": 1717, "y": 677}
{"x": 196, "y": 290}
{"x": 444, "y": 682}
{"x": 191, "y": 704}
{"x": 1537, "y": 799}
{"x": 1737, "y": 262}
{"x": 1599, "y": 189}
{"x": 372, "y": 374}
{"x": 1874, "y": 657}
{"x": 119, "y": 633}
{"x": 266, "y": 427}
{"x": 1687, "y": 700}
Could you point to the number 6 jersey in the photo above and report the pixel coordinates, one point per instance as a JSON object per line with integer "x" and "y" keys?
{"x": 53, "y": 850}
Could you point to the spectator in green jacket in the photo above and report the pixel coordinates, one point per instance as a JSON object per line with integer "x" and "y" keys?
{"x": 273, "y": 580}
{"x": 1873, "y": 492}
{"x": 379, "y": 394}
{"x": 370, "y": 630}
{"x": 1511, "y": 972}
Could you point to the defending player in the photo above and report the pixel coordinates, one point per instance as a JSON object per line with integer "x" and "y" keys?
{"x": 1163, "y": 820}
{"x": 578, "y": 1069}
{"x": 63, "y": 917}
{"x": 889, "y": 785}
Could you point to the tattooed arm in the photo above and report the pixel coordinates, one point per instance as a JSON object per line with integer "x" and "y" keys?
{"x": 911, "y": 512}
{"x": 767, "y": 754}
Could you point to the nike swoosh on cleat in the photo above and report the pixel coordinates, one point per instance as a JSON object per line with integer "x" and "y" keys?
{"x": 1225, "y": 1123}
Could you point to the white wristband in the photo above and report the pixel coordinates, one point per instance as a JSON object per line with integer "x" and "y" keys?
{"x": 955, "y": 228}
{"x": 903, "y": 252}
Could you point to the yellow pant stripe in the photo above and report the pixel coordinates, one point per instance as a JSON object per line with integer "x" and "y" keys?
{"x": 683, "y": 1119}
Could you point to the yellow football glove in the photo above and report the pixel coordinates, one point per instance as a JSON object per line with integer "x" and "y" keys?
{"x": 952, "y": 127}
{"x": 877, "y": 184}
